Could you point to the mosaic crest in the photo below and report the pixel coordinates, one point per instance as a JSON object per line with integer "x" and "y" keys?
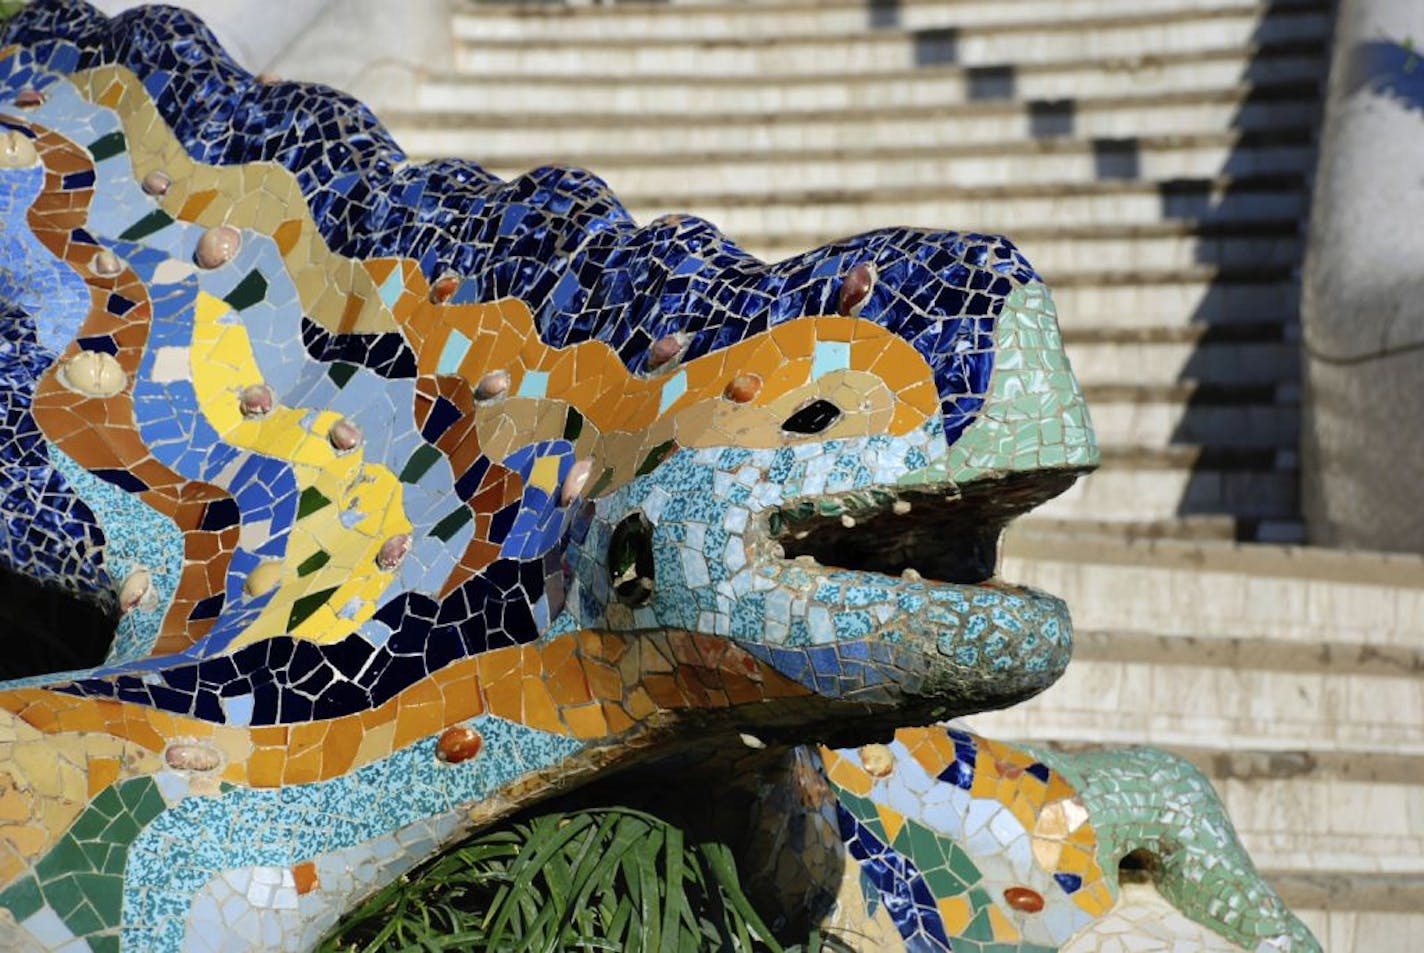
{"x": 415, "y": 495}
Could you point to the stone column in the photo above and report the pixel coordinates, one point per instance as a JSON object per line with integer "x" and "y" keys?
{"x": 1363, "y": 290}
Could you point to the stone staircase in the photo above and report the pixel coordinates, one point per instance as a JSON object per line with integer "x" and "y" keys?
{"x": 1290, "y": 675}
{"x": 1149, "y": 157}
{"x": 1152, "y": 158}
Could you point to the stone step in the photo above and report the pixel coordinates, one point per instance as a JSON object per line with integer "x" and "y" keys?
{"x": 1316, "y": 745}
{"x": 526, "y": 95}
{"x": 1162, "y": 246}
{"x": 1236, "y": 693}
{"x": 585, "y": 138}
{"x": 1160, "y": 364}
{"x": 1367, "y": 602}
{"x": 847, "y": 210}
{"x": 1140, "y": 483}
{"x": 859, "y": 51}
{"x": 686, "y": 179}
{"x": 1355, "y": 910}
{"x": 1151, "y": 300}
{"x": 1198, "y": 526}
{"x": 701, "y": 21}
{"x": 1151, "y": 416}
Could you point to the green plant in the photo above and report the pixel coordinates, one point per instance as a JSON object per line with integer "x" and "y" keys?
{"x": 610, "y": 878}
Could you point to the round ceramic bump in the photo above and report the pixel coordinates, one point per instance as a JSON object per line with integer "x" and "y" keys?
{"x": 743, "y": 388}
{"x": 856, "y": 289}
{"x": 666, "y": 350}
{"x": 29, "y": 98}
{"x": 576, "y": 480}
{"x": 218, "y": 246}
{"x": 256, "y": 400}
{"x": 393, "y": 552}
{"x": 93, "y": 374}
{"x": 1024, "y": 899}
{"x": 267, "y": 79}
{"x": 192, "y": 756}
{"x": 492, "y": 385}
{"x": 458, "y": 743}
{"x": 344, "y": 435}
{"x": 878, "y": 760}
{"x": 17, "y": 150}
{"x": 157, "y": 183}
{"x": 444, "y": 287}
{"x": 106, "y": 264}
{"x": 136, "y": 591}
{"x": 263, "y": 579}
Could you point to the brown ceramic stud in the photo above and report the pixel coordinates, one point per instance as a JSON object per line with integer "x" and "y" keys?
{"x": 93, "y": 374}
{"x": 218, "y": 246}
{"x": 29, "y": 98}
{"x": 256, "y": 400}
{"x": 393, "y": 552}
{"x": 492, "y": 385}
{"x": 263, "y": 579}
{"x": 136, "y": 592}
{"x": 444, "y": 288}
{"x": 267, "y": 79}
{"x": 344, "y": 436}
{"x": 458, "y": 743}
{"x": 192, "y": 756}
{"x": 1024, "y": 899}
{"x": 106, "y": 264}
{"x": 157, "y": 183}
{"x": 856, "y": 288}
{"x": 743, "y": 388}
{"x": 17, "y": 151}
{"x": 576, "y": 480}
{"x": 666, "y": 350}
{"x": 877, "y": 760}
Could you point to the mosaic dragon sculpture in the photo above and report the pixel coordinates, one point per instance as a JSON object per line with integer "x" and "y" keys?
{"x": 418, "y": 496}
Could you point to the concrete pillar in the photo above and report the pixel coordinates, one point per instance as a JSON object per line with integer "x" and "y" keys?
{"x": 1363, "y": 295}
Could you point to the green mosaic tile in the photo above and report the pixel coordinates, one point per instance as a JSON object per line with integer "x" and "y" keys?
{"x": 106, "y": 146}
{"x": 979, "y": 928}
{"x": 154, "y": 221}
{"x": 306, "y": 605}
{"x": 422, "y": 460}
{"x": 340, "y": 373}
{"x": 655, "y": 456}
{"x": 67, "y": 854}
{"x": 451, "y": 524}
{"x": 249, "y": 291}
{"x": 310, "y": 501}
{"x": 22, "y": 898}
{"x": 942, "y": 882}
{"x": 103, "y": 943}
{"x": 313, "y": 562}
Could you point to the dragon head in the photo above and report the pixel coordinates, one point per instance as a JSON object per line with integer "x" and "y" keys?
{"x": 830, "y": 493}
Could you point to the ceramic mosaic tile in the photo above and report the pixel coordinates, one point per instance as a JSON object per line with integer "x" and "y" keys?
{"x": 417, "y": 495}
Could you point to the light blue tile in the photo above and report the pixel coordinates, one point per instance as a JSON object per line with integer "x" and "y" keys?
{"x": 535, "y": 384}
{"x": 453, "y": 353}
{"x": 673, "y": 388}
{"x": 829, "y": 356}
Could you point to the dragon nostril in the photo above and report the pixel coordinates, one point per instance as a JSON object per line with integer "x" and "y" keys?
{"x": 813, "y": 418}
{"x": 630, "y": 560}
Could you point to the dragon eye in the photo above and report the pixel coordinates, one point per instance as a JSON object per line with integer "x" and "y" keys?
{"x": 813, "y": 418}
{"x": 630, "y": 560}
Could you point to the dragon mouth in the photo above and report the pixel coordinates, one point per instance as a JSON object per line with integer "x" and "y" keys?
{"x": 940, "y": 534}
